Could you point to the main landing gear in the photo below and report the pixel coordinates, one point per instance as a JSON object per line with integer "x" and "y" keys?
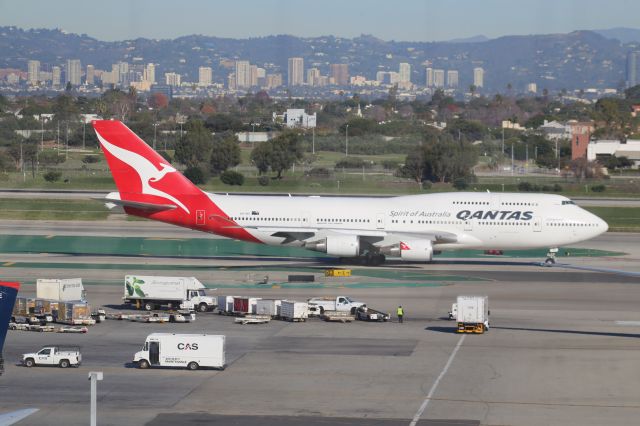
{"x": 551, "y": 257}
{"x": 369, "y": 259}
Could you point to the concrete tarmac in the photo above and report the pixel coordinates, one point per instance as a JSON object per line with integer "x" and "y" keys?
{"x": 562, "y": 349}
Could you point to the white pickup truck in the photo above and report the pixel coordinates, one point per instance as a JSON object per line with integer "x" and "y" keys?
{"x": 318, "y": 305}
{"x": 62, "y": 356}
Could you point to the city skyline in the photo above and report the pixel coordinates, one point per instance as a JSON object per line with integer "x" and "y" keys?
{"x": 428, "y": 20}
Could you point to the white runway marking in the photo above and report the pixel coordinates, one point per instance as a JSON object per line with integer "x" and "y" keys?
{"x": 631, "y": 323}
{"x": 426, "y": 401}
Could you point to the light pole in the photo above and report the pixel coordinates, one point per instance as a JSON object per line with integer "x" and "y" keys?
{"x": 346, "y": 141}
{"x": 84, "y": 130}
{"x": 94, "y": 376}
{"x": 313, "y": 140}
{"x": 155, "y": 125}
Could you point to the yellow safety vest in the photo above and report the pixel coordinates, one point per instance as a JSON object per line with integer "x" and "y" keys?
{"x": 400, "y": 311}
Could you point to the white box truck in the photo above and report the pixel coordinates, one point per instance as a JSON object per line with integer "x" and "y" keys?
{"x": 64, "y": 290}
{"x": 472, "y": 314}
{"x": 150, "y": 293}
{"x": 190, "y": 351}
{"x": 268, "y": 307}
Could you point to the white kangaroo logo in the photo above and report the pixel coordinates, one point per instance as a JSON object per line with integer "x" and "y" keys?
{"x": 145, "y": 169}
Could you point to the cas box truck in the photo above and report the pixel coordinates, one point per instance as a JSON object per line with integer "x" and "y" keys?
{"x": 64, "y": 290}
{"x": 174, "y": 292}
{"x": 190, "y": 351}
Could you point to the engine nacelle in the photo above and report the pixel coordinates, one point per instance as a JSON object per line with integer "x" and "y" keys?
{"x": 416, "y": 250}
{"x": 337, "y": 245}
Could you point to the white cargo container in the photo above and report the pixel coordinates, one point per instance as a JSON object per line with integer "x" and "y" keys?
{"x": 60, "y": 290}
{"x": 294, "y": 311}
{"x": 175, "y": 292}
{"x": 472, "y": 314}
{"x": 190, "y": 351}
{"x": 268, "y": 307}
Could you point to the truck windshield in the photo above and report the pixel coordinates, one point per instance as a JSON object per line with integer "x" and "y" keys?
{"x": 348, "y": 300}
{"x": 200, "y": 292}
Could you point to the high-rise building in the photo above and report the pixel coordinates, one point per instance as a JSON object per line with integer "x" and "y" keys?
{"x": 532, "y": 88}
{"x": 452, "y": 78}
{"x": 313, "y": 75}
{"x": 478, "y": 77}
{"x": 438, "y": 78}
{"x": 429, "y": 77}
{"x": 33, "y": 72}
{"x": 90, "y": 76}
{"x": 405, "y": 72}
{"x": 339, "y": 73}
{"x": 243, "y": 75}
{"x": 633, "y": 68}
{"x": 253, "y": 75}
{"x": 73, "y": 72}
{"x": 295, "y": 75}
{"x": 149, "y": 73}
{"x": 273, "y": 81}
{"x": 123, "y": 73}
{"x": 205, "y": 76}
{"x": 56, "y": 76}
{"x": 172, "y": 79}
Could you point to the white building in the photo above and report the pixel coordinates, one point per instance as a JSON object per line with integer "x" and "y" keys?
{"x": 555, "y": 130}
{"x": 532, "y": 88}
{"x": 73, "y": 72}
{"x": 429, "y": 77}
{"x": 172, "y": 79}
{"x": 404, "y": 72}
{"x": 296, "y": 118}
{"x": 438, "y": 78}
{"x": 205, "y": 76}
{"x": 33, "y": 72}
{"x": 478, "y": 77}
{"x": 295, "y": 76}
{"x": 149, "y": 73}
{"x": 90, "y": 76}
{"x": 452, "y": 78}
{"x": 56, "y": 76}
{"x": 243, "y": 75}
{"x": 629, "y": 149}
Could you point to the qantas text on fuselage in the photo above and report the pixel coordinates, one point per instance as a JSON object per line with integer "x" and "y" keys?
{"x": 410, "y": 227}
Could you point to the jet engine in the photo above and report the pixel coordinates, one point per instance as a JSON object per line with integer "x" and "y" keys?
{"x": 414, "y": 250}
{"x": 337, "y": 245}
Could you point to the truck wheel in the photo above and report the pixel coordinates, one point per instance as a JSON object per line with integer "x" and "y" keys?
{"x": 64, "y": 363}
{"x": 353, "y": 311}
{"x": 148, "y": 306}
{"x": 29, "y": 362}
{"x": 192, "y": 366}
{"x": 143, "y": 363}
{"x": 203, "y": 307}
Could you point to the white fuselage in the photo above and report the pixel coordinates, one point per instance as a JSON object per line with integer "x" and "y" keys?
{"x": 478, "y": 220}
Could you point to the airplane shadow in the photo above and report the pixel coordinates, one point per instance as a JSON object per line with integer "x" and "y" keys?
{"x": 564, "y": 331}
{"x": 447, "y": 330}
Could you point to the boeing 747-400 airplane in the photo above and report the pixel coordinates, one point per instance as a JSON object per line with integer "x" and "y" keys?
{"x": 410, "y": 227}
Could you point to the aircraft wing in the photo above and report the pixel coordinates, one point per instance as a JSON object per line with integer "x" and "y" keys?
{"x": 12, "y": 417}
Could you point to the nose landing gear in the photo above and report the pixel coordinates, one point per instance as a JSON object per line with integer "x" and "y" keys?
{"x": 551, "y": 257}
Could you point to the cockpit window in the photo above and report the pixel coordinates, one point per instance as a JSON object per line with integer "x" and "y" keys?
{"x": 564, "y": 202}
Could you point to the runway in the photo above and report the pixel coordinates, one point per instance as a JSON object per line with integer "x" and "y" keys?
{"x": 562, "y": 349}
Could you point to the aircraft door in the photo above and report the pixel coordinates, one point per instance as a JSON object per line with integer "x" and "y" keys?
{"x": 305, "y": 219}
{"x": 200, "y": 217}
{"x": 380, "y": 221}
{"x": 154, "y": 353}
{"x": 537, "y": 224}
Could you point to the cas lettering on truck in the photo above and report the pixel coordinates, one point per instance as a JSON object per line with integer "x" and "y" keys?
{"x": 151, "y": 293}
{"x": 190, "y": 351}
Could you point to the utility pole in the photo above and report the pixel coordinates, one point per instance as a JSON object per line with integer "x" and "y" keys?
{"x": 346, "y": 140}
{"x": 503, "y": 141}
{"x": 511, "y": 159}
{"x": 84, "y": 130}
{"x": 155, "y": 125}
{"x": 24, "y": 176}
{"x": 313, "y": 140}
{"x": 66, "y": 143}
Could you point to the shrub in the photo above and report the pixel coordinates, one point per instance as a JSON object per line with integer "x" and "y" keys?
{"x": 598, "y": 188}
{"x": 230, "y": 177}
{"x": 166, "y": 156}
{"x": 352, "y": 163}
{"x": 195, "y": 175}
{"x": 90, "y": 159}
{"x": 525, "y": 187}
{"x": 557, "y": 187}
{"x": 460, "y": 184}
{"x": 263, "y": 181}
{"x": 52, "y": 176}
{"x": 390, "y": 164}
{"x": 426, "y": 184}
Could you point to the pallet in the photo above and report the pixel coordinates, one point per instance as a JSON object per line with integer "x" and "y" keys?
{"x": 245, "y": 321}
{"x": 338, "y": 318}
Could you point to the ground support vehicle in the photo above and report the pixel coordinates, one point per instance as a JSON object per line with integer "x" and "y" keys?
{"x": 364, "y": 313}
{"x": 340, "y": 303}
{"x": 337, "y": 272}
{"x": 65, "y": 290}
{"x": 150, "y": 293}
{"x": 191, "y": 351}
{"x": 62, "y": 356}
{"x": 472, "y": 314}
{"x": 269, "y": 307}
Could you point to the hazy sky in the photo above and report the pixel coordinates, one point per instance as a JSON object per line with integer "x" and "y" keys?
{"x": 406, "y": 20}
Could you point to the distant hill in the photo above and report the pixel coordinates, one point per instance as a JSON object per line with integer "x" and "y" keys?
{"x": 473, "y": 39}
{"x": 555, "y": 61}
{"x": 625, "y": 35}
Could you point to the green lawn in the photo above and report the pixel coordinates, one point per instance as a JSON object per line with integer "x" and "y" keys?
{"x": 619, "y": 218}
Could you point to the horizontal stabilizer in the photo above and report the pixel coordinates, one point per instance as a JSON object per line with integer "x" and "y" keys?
{"x": 150, "y": 207}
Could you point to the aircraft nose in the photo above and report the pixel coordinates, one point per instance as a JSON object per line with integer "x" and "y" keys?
{"x": 604, "y": 226}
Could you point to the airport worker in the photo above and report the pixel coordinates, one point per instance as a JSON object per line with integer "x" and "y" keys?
{"x": 400, "y": 313}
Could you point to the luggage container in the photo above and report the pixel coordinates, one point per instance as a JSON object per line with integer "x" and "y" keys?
{"x": 225, "y": 304}
{"x": 472, "y": 314}
{"x": 64, "y": 290}
{"x": 75, "y": 313}
{"x": 268, "y": 307}
{"x": 245, "y": 305}
{"x": 294, "y": 311}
